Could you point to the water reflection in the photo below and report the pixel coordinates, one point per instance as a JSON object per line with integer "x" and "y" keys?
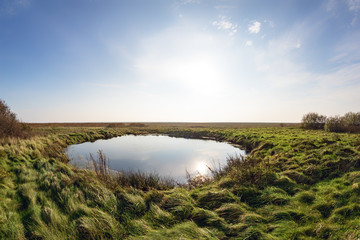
{"x": 167, "y": 156}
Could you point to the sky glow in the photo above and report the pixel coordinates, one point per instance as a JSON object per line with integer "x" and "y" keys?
{"x": 179, "y": 60}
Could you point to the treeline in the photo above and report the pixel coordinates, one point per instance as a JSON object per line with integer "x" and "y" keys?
{"x": 10, "y": 126}
{"x": 350, "y": 122}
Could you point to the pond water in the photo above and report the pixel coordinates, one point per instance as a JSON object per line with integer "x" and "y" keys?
{"x": 166, "y": 156}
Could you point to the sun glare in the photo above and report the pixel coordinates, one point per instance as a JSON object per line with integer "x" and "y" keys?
{"x": 201, "y": 168}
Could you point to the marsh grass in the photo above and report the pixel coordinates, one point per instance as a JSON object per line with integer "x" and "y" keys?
{"x": 135, "y": 179}
{"x": 296, "y": 184}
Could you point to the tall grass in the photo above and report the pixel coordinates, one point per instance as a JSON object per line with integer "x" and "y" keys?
{"x": 135, "y": 179}
{"x": 101, "y": 165}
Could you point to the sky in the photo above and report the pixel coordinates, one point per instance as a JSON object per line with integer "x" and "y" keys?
{"x": 179, "y": 60}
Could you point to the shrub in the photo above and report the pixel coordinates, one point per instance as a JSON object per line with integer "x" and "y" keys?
{"x": 335, "y": 124}
{"x": 9, "y": 124}
{"x": 351, "y": 122}
{"x": 313, "y": 121}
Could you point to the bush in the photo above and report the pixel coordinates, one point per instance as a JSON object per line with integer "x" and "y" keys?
{"x": 313, "y": 121}
{"x": 351, "y": 122}
{"x": 9, "y": 125}
{"x": 335, "y": 124}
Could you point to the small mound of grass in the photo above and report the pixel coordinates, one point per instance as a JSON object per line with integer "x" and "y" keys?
{"x": 186, "y": 230}
{"x": 289, "y": 215}
{"x": 324, "y": 230}
{"x": 159, "y": 218}
{"x": 252, "y": 219}
{"x": 347, "y": 212}
{"x": 306, "y": 197}
{"x": 298, "y": 177}
{"x": 98, "y": 225}
{"x": 231, "y": 212}
{"x": 214, "y": 199}
{"x": 325, "y": 208}
{"x": 179, "y": 203}
{"x": 249, "y": 195}
{"x": 153, "y": 196}
{"x": 206, "y": 218}
{"x": 130, "y": 204}
{"x": 275, "y": 196}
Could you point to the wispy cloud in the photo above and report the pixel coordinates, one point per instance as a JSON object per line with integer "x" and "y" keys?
{"x": 330, "y": 5}
{"x": 354, "y": 5}
{"x": 255, "y": 27}
{"x": 184, "y": 2}
{"x": 224, "y": 23}
{"x": 347, "y": 51}
{"x": 249, "y": 43}
{"x": 10, "y": 6}
{"x": 270, "y": 23}
{"x": 224, "y": 7}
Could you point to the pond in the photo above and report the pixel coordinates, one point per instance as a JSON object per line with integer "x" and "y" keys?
{"x": 167, "y": 156}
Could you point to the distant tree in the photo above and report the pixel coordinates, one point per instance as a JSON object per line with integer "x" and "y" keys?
{"x": 335, "y": 124}
{"x": 313, "y": 121}
{"x": 351, "y": 122}
{"x": 9, "y": 124}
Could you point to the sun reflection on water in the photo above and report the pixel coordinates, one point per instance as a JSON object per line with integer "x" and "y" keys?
{"x": 201, "y": 168}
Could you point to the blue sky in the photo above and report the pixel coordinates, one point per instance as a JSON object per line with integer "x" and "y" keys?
{"x": 179, "y": 60}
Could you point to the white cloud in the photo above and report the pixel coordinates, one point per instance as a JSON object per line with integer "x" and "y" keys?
{"x": 354, "y": 5}
{"x": 255, "y": 27}
{"x": 249, "y": 43}
{"x": 187, "y": 73}
{"x": 225, "y": 24}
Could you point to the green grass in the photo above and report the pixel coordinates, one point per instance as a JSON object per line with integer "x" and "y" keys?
{"x": 295, "y": 184}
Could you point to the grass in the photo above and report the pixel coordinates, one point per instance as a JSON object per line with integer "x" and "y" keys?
{"x": 295, "y": 184}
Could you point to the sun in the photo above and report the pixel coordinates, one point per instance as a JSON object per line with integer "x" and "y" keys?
{"x": 201, "y": 168}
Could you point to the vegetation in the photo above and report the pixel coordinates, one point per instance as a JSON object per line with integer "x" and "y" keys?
{"x": 9, "y": 125}
{"x": 350, "y": 122}
{"x": 335, "y": 124}
{"x": 294, "y": 184}
{"x": 313, "y": 121}
{"x": 134, "y": 179}
{"x": 264, "y": 196}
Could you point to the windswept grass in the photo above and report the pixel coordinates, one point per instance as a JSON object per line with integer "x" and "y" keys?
{"x": 295, "y": 184}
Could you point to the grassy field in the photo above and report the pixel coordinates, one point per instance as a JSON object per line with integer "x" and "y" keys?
{"x": 295, "y": 184}
{"x": 168, "y": 125}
